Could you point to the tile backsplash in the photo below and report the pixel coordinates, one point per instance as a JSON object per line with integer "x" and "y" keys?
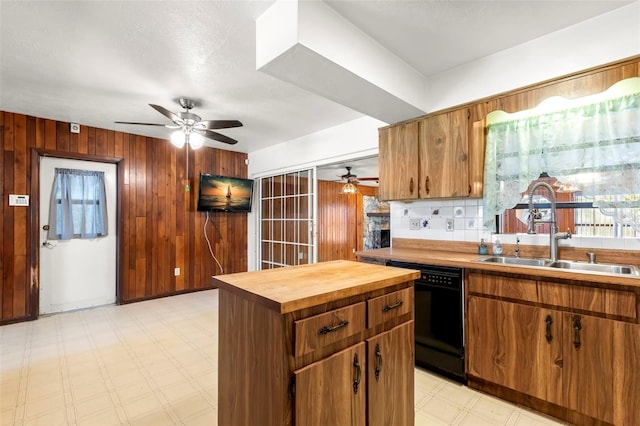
{"x": 462, "y": 220}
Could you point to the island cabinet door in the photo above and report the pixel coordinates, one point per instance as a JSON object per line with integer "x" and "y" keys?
{"x": 390, "y": 376}
{"x": 516, "y": 346}
{"x": 333, "y": 391}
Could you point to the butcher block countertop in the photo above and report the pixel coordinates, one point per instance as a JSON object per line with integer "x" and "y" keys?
{"x": 298, "y": 287}
{"x": 470, "y": 261}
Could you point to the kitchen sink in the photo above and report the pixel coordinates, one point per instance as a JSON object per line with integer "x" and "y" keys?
{"x": 596, "y": 267}
{"x": 565, "y": 264}
{"x": 516, "y": 261}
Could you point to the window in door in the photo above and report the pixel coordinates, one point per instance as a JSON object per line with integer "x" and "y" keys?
{"x": 287, "y": 219}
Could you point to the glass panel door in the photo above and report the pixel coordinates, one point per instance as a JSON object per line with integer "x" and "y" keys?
{"x": 287, "y": 218}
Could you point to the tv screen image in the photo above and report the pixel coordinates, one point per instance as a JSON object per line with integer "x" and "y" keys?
{"x": 223, "y": 193}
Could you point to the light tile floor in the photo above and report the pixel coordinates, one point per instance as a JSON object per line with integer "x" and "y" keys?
{"x": 155, "y": 363}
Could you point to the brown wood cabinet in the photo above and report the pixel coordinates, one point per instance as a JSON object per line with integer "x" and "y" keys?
{"x": 398, "y": 161}
{"x": 572, "y": 346}
{"x": 426, "y": 158}
{"x": 323, "y": 344}
{"x": 508, "y": 346}
{"x": 444, "y": 155}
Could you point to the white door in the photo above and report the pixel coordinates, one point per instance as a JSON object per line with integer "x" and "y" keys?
{"x": 76, "y": 273}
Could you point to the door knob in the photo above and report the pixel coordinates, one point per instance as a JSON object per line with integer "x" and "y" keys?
{"x": 45, "y": 227}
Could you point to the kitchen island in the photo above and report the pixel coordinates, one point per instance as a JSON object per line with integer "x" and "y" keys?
{"x": 327, "y": 343}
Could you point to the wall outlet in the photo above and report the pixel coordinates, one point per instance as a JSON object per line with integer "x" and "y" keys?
{"x": 176, "y": 271}
{"x": 414, "y": 223}
{"x": 449, "y": 225}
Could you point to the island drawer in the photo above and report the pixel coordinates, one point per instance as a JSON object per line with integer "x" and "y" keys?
{"x": 389, "y": 306}
{"x": 327, "y": 328}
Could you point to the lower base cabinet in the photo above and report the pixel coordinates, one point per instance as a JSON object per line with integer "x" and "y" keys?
{"x": 586, "y": 367}
{"x": 366, "y": 384}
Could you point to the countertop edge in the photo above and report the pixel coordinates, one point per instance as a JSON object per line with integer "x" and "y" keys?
{"x": 311, "y": 300}
{"x": 470, "y": 261}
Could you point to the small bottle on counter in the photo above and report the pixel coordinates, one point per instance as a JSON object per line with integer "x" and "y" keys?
{"x": 497, "y": 248}
{"x": 482, "y": 248}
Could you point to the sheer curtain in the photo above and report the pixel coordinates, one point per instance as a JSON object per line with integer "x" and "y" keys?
{"x": 78, "y": 207}
{"x": 593, "y": 147}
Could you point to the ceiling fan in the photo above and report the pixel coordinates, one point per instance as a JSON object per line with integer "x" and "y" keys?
{"x": 191, "y": 128}
{"x": 354, "y": 179}
{"x": 351, "y": 180}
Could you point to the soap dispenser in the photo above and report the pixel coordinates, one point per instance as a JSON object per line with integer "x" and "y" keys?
{"x": 497, "y": 248}
{"x": 482, "y": 248}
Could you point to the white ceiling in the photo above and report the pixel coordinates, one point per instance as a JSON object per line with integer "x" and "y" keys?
{"x": 96, "y": 62}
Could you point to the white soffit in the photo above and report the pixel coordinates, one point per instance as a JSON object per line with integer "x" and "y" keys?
{"x": 311, "y": 46}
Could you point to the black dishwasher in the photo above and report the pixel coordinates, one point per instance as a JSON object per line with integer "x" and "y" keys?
{"x": 439, "y": 311}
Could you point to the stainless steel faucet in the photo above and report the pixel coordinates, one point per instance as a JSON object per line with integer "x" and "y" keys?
{"x": 554, "y": 235}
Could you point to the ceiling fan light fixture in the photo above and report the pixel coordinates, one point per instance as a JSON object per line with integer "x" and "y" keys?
{"x": 178, "y": 138}
{"x": 195, "y": 140}
{"x": 349, "y": 188}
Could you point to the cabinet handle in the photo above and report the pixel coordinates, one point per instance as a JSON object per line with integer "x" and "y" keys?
{"x": 396, "y": 305}
{"x": 325, "y": 330}
{"x": 548, "y": 320}
{"x": 411, "y": 185}
{"x": 577, "y": 326}
{"x": 426, "y": 185}
{"x": 356, "y": 372}
{"x": 378, "y": 362}
{"x": 469, "y": 189}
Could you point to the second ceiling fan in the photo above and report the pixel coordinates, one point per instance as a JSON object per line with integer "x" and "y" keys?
{"x": 191, "y": 124}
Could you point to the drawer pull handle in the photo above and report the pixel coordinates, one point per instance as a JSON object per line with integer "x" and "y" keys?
{"x": 378, "y": 362}
{"x": 325, "y": 330}
{"x": 396, "y": 305}
{"x": 548, "y": 334}
{"x": 577, "y": 326}
{"x": 357, "y": 373}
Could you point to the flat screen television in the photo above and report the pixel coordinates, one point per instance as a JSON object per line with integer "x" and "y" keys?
{"x": 223, "y": 193}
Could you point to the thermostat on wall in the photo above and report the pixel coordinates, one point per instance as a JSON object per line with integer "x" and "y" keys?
{"x": 18, "y": 200}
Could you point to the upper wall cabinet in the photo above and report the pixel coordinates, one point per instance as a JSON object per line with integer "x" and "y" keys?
{"x": 444, "y": 155}
{"x": 398, "y": 162}
{"x": 429, "y": 158}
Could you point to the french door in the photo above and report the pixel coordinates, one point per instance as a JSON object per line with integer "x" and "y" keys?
{"x": 287, "y": 219}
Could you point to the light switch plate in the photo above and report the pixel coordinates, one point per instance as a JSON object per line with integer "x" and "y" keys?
{"x": 18, "y": 200}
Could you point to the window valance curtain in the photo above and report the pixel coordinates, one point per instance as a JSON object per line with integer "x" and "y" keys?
{"x": 594, "y": 147}
{"x": 78, "y": 207}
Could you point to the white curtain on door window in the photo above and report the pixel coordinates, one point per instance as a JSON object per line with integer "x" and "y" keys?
{"x": 78, "y": 207}
{"x": 594, "y": 147}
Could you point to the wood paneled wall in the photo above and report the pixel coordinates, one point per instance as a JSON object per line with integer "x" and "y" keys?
{"x": 340, "y": 221}
{"x": 158, "y": 229}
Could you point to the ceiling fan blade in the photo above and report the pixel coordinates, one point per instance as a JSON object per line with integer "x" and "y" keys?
{"x": 141, "y": 124}
{"x": 170, "y": 115}
{"x": 369, "y": 178}
{"x": 220, "y": 124}
{"x": 215, "y": 136}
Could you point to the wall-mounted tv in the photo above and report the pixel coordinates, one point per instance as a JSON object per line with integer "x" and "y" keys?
{"x": 223, "y": 193}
